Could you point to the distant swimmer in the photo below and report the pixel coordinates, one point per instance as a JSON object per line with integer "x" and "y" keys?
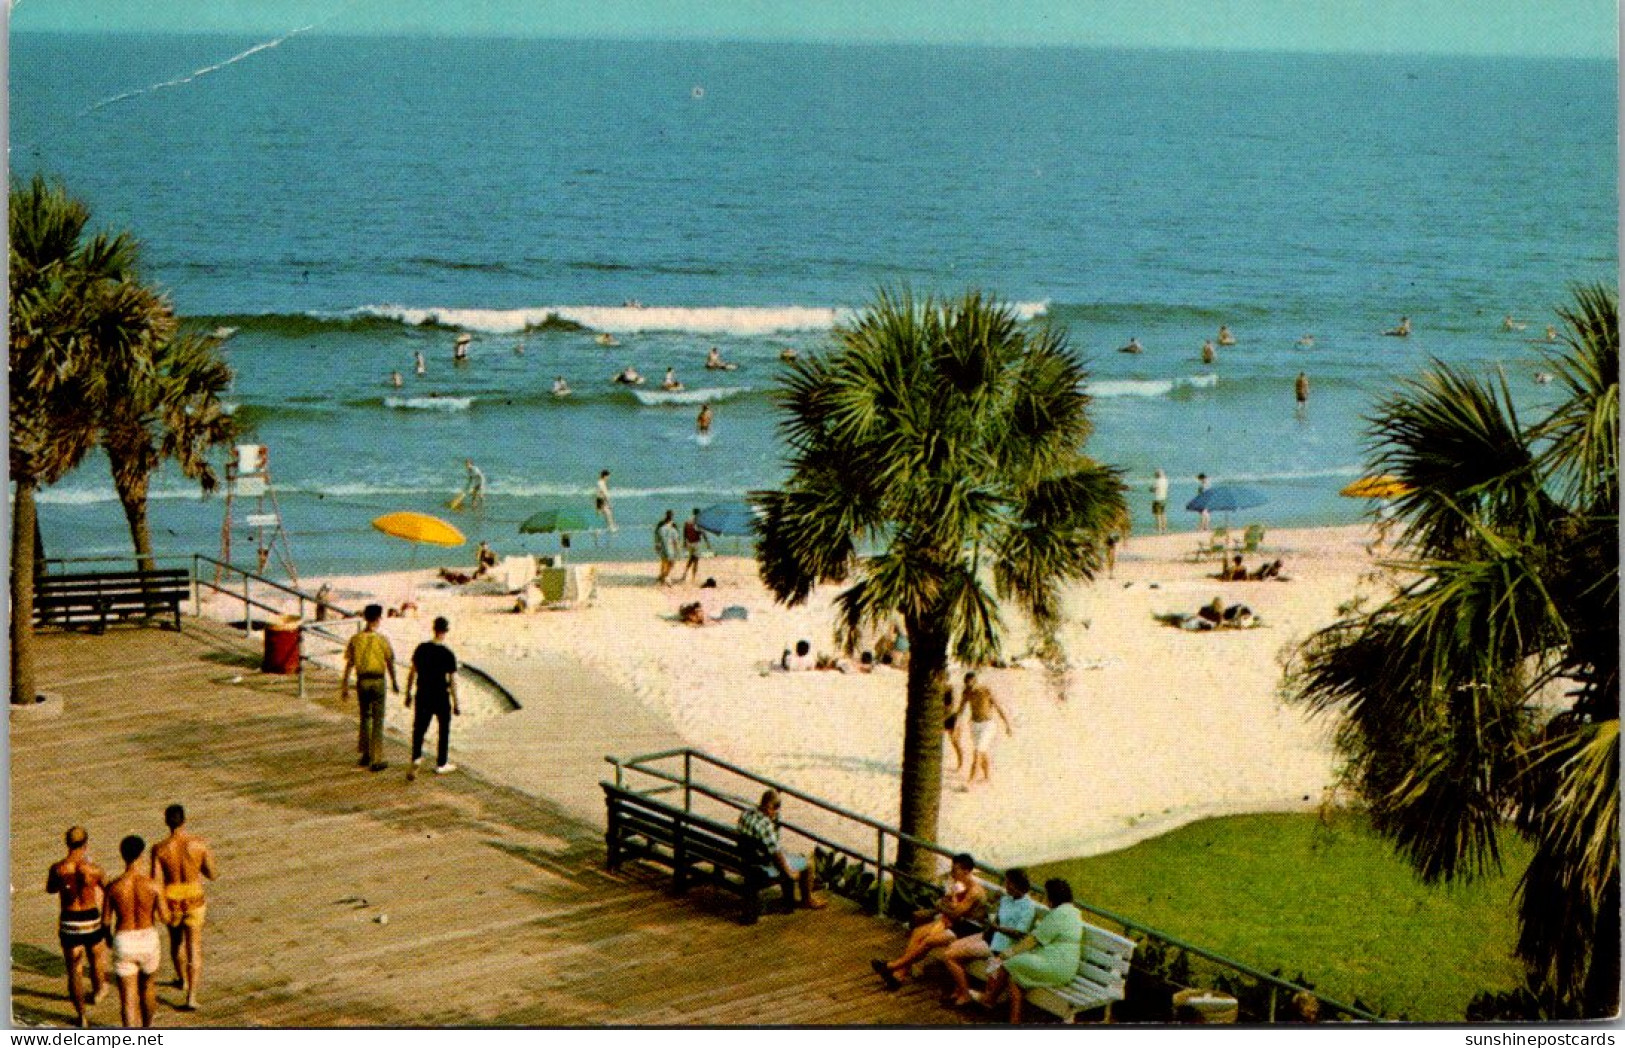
{"x": 418, "y": 364}
{"x": 459, "y": 352}
{"x": 628, "y": 377}
{"x": 561, "y": 388}
{"x": 604, "y": 338}
{"x": 1509, "y": 323}
{"x": 703, "y": 423}
{"x": 1132, "y": 347}
{"x": 1225, "y": 337}
{"x": 670, "y": 383}
{"x": 1403, "y": 330}
{"x": 1551, "y": 333}
{"x": 518, "y": 349}
{"x": 632, "y": 303}
{"x": 396, "y": 380}
{"x": 1306, "y": 340}
{"x": 1543, "y": 378}
{"x": 1208, "y": 356}
{"x": 788, "y": 355}
{"x": 1301, "y": 389}
{"x": 714, "y": 361}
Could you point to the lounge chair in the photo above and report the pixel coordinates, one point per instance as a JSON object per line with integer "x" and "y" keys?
{"x": 1252, "y": 540}
{"x": 1217, "y": 542}
{"x": 567, "y": 587}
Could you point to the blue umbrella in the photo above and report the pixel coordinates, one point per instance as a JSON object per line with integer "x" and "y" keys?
{"x": 1226, "y": 498}
{"x": 729, "y": 518}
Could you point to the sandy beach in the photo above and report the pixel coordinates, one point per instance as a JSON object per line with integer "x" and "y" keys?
{"x": 1156, "y": 727}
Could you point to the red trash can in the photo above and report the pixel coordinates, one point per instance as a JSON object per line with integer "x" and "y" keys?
{"x": 281, "y": 648}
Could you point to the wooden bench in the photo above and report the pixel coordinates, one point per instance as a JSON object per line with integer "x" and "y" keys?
{"x": 94, "y": 599}
{"x": 694, "y": 847}
{"x": 1102, "y": 969}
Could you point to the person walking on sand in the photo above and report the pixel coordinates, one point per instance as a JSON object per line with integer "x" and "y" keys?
{"x": 77, "y": 884}
{"x": 370, "y": 657}
{"x": 601, "y": 501}
{"x": 1201, "y": 486}
{"x": 1159, "y": 501}
{"x": 694, "y": 537}
{"x": 702, "y": 423}
{"x": 666, "y": 545}
{"x": 180, "y": 862}
{"x": 132, "y": 911}
{"x": 976, "y": 698}
{"x": 761, "y": 823}
{"x": 434, "y": 676}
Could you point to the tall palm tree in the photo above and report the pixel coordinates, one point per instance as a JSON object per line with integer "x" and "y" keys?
{"x": 1488, "y": 683}
{"x": 173, "y": 413}
{"x": 80, "y": 326}
{"x": 940, "y": 444}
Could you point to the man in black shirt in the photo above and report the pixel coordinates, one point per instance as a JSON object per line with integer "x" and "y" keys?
{"x": 434, "y": 678}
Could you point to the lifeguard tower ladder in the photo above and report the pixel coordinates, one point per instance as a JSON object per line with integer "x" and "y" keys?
{"x": 248, "y": 477}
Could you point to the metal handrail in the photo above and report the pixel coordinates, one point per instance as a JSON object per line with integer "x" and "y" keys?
{"x": 686, "y": 781}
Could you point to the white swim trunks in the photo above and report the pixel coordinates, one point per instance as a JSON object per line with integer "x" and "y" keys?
{"x": 135, "y": 951}
{"x": 982, "y": 734}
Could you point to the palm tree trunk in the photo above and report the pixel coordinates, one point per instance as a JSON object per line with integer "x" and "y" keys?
{"x": 23, "y": 517}
{"x": 922, "y": 745}
{"x": 133, "y": 495}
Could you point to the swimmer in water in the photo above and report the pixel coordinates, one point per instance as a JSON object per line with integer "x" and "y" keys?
{"x": 1543, "y": 378}
{"x": 703, "y": 423}
{"x": 670, "y": 383}
{"x": 629, "y": 377}
{"x": 418, "y": 364}
{"x": 1208, "y": 356}
{"x": 714, "y": 361}
{"x": 788, "y": 355}
{"x": 1510, "y": 324}
{"x": 1306, "y": 340}
{"x": 1132, "y": 347}
{"x": 518, "y": 349}
{"x": 561, "y": 388}
{"x": 459, "y": 352}
{"x": 1225, "y": 337}
{"x": 1551, "y": 333}
{"x": 395, "y": 379}
{"x": 1403, "y": 330}
{"x": 604, "y": 338}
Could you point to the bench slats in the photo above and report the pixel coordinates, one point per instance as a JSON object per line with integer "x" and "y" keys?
{"x": 68, "y": 600}
{"x": 1102, "y": 965}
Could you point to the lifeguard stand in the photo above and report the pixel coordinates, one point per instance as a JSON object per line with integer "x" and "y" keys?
{"x": 248, "y": 477}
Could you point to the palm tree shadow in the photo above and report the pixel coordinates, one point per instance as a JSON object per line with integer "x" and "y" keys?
{"x": 31, "y": 958}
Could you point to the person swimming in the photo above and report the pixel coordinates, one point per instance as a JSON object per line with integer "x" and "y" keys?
{"x": 1403, "y": 330}
{"x": 395, "y": 379}
{"x": 629, "y": 377}
{"x": 1208, "y": 355}
{"x": 459, "y": 351}
{"x": 670, "y": 383}
{"x": 419, "y": 366}
{"x": 561, "y": 388}
{"x": 1306, "y": 340}
{"x": 604, "y": 338}
{"x": 1132, "y": 347}
{"x": 788, "y": 354}
{"x": 1225, "y": 337}
{"x": 714, "y": 361}
{"x": 1508, "y": 323}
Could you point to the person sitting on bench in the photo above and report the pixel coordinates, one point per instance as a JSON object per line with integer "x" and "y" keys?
{"x": 963, "y": 904}
{"x": 762, "y": 824}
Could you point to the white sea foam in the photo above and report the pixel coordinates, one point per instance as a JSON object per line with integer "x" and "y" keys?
{"x": 1150, "y": 387}
{"x": 707, "y": 320}
{"x": 90, "y": 496}
{"x": 429, "y": 403}
{"x": 653, "y": 397}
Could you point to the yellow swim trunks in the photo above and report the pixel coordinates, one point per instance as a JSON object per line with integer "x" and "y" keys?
{"x": 186, "y": 906}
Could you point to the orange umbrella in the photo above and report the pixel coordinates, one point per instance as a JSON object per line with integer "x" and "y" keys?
{"x": 1383, "y": 486}
{"x": 419, "y": 527}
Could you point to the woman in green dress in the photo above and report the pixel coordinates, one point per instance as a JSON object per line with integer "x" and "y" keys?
{"x": 1046, "y": 957}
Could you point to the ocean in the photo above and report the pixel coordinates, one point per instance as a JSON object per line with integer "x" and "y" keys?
{"x": 345, "y": 203}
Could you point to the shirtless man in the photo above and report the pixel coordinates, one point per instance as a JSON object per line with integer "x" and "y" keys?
{"x": 133, "y": 908}
{"x": 78, "y": 883}
{"x": 982, "y": 705}
{"x": 180, "y": 862}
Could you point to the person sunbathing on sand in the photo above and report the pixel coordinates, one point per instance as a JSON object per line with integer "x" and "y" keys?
{"x": 799, "y": 660}
{"x": 1272, "y": 570}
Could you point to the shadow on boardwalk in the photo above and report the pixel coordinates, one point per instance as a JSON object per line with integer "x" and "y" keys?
{"x": 498, "y": 910}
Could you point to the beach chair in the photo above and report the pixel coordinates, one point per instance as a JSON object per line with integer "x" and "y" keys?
{"x": 569, "y": 586}
{"x": 1252, "y": 540}
{"x": 515, "y": 573}
{"x": 1216, "y": 544}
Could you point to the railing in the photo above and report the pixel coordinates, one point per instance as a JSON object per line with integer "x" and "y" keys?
{"x": 851, "y": 827}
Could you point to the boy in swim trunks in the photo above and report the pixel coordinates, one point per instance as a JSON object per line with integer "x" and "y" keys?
{"x": 132, "y": 910}
{"x": 180, "y": 862}
{"x": 982, "y": 705}
{"x": 78, "y": 883}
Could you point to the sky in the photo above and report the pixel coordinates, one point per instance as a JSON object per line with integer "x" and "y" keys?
{"x": 1485, "y": 27}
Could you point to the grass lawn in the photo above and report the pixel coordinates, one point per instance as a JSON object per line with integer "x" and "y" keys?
{"x": 1332, "y": 902}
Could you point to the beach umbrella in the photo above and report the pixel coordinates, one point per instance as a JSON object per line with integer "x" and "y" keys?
{"x": 1383, "y": 486}
{"x": 419, "y": 528}
{"x": 1226, "y": 498}
{"x": 556, "y": 521}
{"x": 729, "y": 518}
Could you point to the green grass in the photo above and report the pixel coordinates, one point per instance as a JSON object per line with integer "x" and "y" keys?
{"x": 1330, "y": 901}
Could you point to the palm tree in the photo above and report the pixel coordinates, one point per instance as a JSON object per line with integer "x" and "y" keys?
{"x": 80, "y": 325}
{"x": 940, "y": 443}
{"x": 174, "y": 413}
{"x": 1488, "y": 684}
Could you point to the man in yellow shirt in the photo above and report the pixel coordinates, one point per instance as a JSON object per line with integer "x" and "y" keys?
{"x": 370, "y": 658}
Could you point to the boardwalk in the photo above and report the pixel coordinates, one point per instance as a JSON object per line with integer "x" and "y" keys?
{"x": 498, "y": 909}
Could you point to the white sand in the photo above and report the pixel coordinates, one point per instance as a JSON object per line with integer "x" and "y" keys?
{"x": 1166, "y": 727}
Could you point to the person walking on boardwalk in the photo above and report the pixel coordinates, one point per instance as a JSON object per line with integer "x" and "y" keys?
{"x": 601, "y": 501}
{"x": 762, "y": 824}
{"x": 180, "y": 863}
{"x": 77, "y": 882}
{"x": 1159, "y": 501}
{"x": 982, "y": 706}
{"x": 132, "y": 911}
{"x": 433, "y": 678}
{"x": 370, "y": 658}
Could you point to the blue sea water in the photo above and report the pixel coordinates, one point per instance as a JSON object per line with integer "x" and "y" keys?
{"x": 347, "y": 202}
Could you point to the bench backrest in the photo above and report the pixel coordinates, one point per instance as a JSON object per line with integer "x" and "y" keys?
{"x": 163, "y": 581}
{"x": 703, "y": 838}
{"x": 1104, "y": 959}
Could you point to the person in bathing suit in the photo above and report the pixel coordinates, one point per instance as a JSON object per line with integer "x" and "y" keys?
{"x": 180, "y": 863}
{"x": 77, "y": 882}
{"x": 132, "y": 911}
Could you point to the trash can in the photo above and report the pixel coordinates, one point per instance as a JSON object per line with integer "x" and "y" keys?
{"x": 1205, "y": 1007}
{"x": 281, "y": 646}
